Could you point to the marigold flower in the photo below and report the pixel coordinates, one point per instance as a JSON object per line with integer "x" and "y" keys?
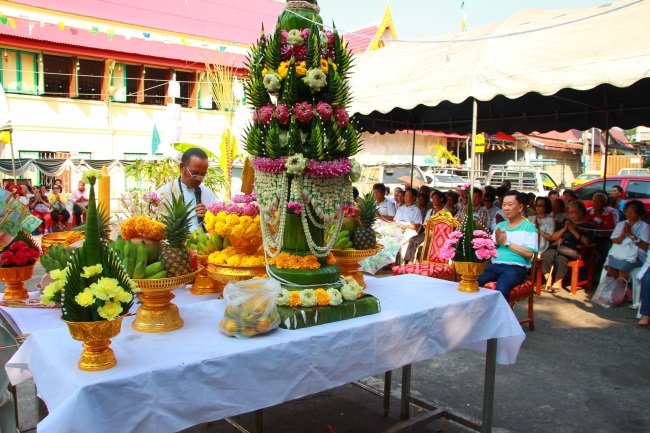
{"x": 323, "y": 298}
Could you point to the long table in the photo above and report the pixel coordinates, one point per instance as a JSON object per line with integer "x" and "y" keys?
{"x": 172, "y": 381}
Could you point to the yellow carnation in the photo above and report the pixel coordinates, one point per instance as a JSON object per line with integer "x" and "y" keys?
{"x": 105, "y": 288}
{"x": 91, "y": 271}
{"x": 123, "y": 296}
{"x": 283, "y": 69}
{"x": 324, "y": 65}
{"x": 301, "y": 69}
{"x": 110, "y": 310}
{"x": 85, "y": 298}
{"x": 221, "y": 216}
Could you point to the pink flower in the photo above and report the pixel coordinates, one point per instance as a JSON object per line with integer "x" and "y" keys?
{"x": 349, "y": 211}
{"x": 6, "y": 258}
{"x": 18, "y": 245}
{"x": 330, "y": 37}
{"x": 325, "y": 111}
{"x": 282, "y": 114}
{"x": 300, "y": 52}
{"x": 338, "y": 167}
{"x": 285, "y": 51}
{"x": 283, "y": 36}
{"x": 269, "y": 165}
{"x": 304, "y": 112}
{"x": 342, "y": 118}
{"x": 264, "y": 114}
{"x": 305, "y": 34}
{"x": 295, "y": 207}
{"x": 480, "y": 233}
{"x": 251, "y": 209}
{"x": 455, "y": 235}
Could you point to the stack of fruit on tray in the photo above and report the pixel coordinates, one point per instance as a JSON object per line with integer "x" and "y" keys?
{"x": 357, "y": 239}
{"x": 205, "y": 244}
{"x": 151, "y": 249}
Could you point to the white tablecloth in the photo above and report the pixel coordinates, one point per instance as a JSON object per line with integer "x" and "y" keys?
{"x": 30, "y": 319}
{"x": 171, "y": 381}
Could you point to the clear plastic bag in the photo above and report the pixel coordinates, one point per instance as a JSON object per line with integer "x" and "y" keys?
{"x": 610, "y": 292}
{"x": 250, "y": 307}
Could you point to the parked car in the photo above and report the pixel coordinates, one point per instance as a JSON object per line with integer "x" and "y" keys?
{"x": 391, "y": 175}
{"x": 634, "y": 187}
{"x": 445, "y": 181}
{"x": 633, "y": 171}
{"x": 585, "y": 177}
{"x": 523, "y": 178}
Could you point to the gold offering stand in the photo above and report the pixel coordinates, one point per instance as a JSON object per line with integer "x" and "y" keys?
{"x": 60, "y": 238}
{"x": 204, "y": 284}
{"x": 222, "y": 274}
{"x": 157, "y": 313}
{"x": 97, "y": 354}
{"x": 349, "y": 260}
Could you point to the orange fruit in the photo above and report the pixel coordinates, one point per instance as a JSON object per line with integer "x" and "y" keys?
{"x": 231, "y": 327}
{"x": 264, "y": 325}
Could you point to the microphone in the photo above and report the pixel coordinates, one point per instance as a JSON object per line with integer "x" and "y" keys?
{"x": 197, "y": 197}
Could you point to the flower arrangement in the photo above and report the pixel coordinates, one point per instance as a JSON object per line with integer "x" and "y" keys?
{"x": 230, "y": 257}
{"x": 52, "y": 292}
{"x": 137, "y": 204}
{"x": 349, "y": 291}
{"x": 244, "y": 227}
{"x": 289, "y": 261}
{"x": 483, "y": 247}
{"x": 94, "y": 286}
{"x": 19, "y": 253}
{"x": 142, "y": 227}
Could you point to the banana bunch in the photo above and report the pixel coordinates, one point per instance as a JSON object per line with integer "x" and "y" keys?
{"x": 205, "y": 244}
{"x": 343, "y": 242}
{"x": 56, "y": 257}
{"x": 140, "y": 259}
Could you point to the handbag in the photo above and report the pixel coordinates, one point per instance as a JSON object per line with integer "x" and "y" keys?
{"x": 568, "y": 252}
{"x": 626, "y": 250}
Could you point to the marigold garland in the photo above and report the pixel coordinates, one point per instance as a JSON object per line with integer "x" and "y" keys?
{"x": 230, "y": 257}
{"x": 294, "y": 298}
{"x": 142, "y": 226}
{"x": 322, "y": 296}
{"x": 290, "y": 261}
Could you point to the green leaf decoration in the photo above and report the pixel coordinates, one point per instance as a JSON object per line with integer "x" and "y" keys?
{"x": 273, "y": 57}
{"x": 334, "y": 142}
{"x": 313, "y": 48}
{"x": 316, "y": 140}
{"x": 352, "y": 140}
{"x": 290, "y": 87}
{"x": 272, "y": 144}
{"x": 255, "y": 92}
{"x": 295, "y": 139}
{"x": 103, "y": 222}
{"x": 74, "y": 284}
{"x": 254, "y": 139}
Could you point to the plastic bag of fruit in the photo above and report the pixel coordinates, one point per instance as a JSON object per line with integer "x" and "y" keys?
{"x": 250, "y": 307}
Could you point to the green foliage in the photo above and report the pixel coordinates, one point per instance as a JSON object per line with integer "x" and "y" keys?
{"x": 342, "y": 56}
{"x": 272, "y": 144}
{"x": 176, "y": 217}
{"x": 313, "y": 48}
{"x": 317, "y": 141}
{"x": 255, "y": 60}
{"x": 352, "y": 139}
{"x": 272, "y": 55}
{"x": 163, "y": 170}
{"x": 295, "y": 138}
{"x": 290, "y": 87}
{"x": 255, "y": 92}
{"x": 254, "y": 139}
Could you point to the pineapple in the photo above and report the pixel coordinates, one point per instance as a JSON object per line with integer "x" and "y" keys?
{"x": 364, "y": 237}
{"x": 174, "y": 254}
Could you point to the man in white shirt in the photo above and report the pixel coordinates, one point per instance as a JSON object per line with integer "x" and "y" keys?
{"x": 385, "y": 208}
{"x": 194, "y": 168}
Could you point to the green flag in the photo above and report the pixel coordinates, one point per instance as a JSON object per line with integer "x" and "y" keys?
{"x": 155, "y": 140}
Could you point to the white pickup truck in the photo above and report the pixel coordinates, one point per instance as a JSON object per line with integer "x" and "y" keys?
{"x": 523, "y": 178}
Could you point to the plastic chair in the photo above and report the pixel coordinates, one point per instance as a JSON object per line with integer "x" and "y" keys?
{"x": 437, "y": 231}
{"x": 524, "y": 291}
{"x": 8, "y": 408}
{"x": 585, "y": 260}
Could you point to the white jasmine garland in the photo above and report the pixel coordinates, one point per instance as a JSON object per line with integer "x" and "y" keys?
{"x": 335, "y": 297}
{"x": 308, "y": 298}
{"x": 349, "y": 292}
{"x": 355, "y": 171}
{"x": 283, "y": 298}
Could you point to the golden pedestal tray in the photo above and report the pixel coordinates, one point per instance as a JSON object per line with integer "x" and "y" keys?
{"x": 204, "y": 284}
{"x": 157, "y": 313}
{"x": 222, "y": 274}
{"x": 60, "y": 238}
{"x": 348, "y": 260}
{"x": 97, "y": 354}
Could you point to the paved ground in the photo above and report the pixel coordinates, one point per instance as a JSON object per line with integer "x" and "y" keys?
{"x": 584, "y": 369}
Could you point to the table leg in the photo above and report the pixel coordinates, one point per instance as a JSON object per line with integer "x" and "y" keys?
{"x": 388, "y": 377}
{"x": 405, "y": 409}
{"x": 259, "y": 421}
{"x": 488, "y": 386}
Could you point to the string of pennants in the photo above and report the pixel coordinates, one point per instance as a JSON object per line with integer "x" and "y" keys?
{"x": 111, "y": 33}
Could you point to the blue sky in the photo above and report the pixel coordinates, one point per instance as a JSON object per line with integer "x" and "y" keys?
{"x": 422, "y": 18}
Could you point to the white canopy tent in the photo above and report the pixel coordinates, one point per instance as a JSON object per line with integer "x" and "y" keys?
{"x": 538, "y": 70}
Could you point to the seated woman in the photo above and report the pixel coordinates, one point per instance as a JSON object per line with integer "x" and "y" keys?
{"x": 558, "y": 214}
{"x": 633, "y": 232}
{"x": 438, "y": 200}
{"x": 59, "y": 208}
{"x": 576, "y": 235}
{"x": 423, "y": 204}
{"x": 604, "y": 220}
{"x": 40, "y": 208}
{"x": 543, "y": 221}
{"x": 451, "y": 202}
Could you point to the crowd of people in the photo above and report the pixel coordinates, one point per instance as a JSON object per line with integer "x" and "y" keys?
{"x": 52, "y": 204}
{"x": 610, "y": 235}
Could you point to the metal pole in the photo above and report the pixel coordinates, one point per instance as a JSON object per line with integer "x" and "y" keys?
{"x": 412, "y": 158}
{"x": 13, "y": 162}
{"x": 606, "y": 146}
{"x": 473, "y": 158}
{"x": 488, "y": 385}
{"x": 591, "y": 154}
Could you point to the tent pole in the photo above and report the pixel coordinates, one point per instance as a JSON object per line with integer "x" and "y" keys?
{"x": 412, "y": 157}
{"x": 606, "y": 146}
{"x": 13, "y": 161}
{"x": 473, "y": 158}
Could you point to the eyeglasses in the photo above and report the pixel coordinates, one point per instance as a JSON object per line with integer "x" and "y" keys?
{"x": 195, "y": 176}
